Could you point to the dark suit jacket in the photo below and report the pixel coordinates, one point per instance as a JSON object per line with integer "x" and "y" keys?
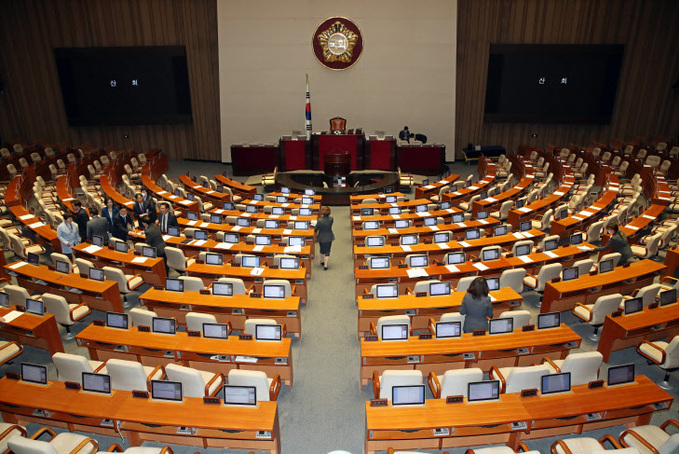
{"x": 171, "y": 221}
{"x": 120, "y": 227}
{"x": 81, "y": 218}
{"x": 155, "y": 239}
{"x": 148, "y": 207}
{"x": 104, "y": 213}
{"x": 98, "y": 226}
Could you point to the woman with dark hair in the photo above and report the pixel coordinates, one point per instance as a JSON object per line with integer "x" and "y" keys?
{"x": 476, "y": 306}
{"x": 109, "y": 212}
{"x": 618, "y": 243}
{"x": 323, "y": 234}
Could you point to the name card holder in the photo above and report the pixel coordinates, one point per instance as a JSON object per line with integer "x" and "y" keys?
{"x": 529, "y": 392}
{"x": 98, "y": 323}
{"x": 140, "y": 394}
{"x": 594, "y": 384}
{"x": 72, "y": 385}
{"x": 379, "y": 402}
{"x": 454, "y": 399}
{"x": 246, "y": 337}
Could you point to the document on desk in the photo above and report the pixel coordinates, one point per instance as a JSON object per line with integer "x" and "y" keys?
{"x": 139, "y": 260}
{"x": 551, "y": 254}
{"x": 483, "y": 221}
{"x": 491, "y": 199}
{"x": 185, "y": 202}
{"x": 585, "y": 213}
{"x": 434, "y": 227}
{"x": 223, "y": 245}
{"x": 256, "y": 271}
{"x": 68, "y": 199}
{"x": 291, "y": 218}
{"x": 585, "y": 248}
{"x": 518, "y": 235}
{"x": 473, "y": 188}
{"x": 559, "y": 193}
{"x": 443, "y": 245}
{"x": 192, "y": 222}
{"x": 423, "y": 214}
{"x": 395, "y": 216}
{"x": 631, "y": 227}
{"x": 93, "y": 249}
{"x": 393, "y": 230}
{"x": 198, "y": 242}
{"x": 246, "y": 215}
{"x": 236, "y": 228}
{"x": 36, "y": 225}
{"x": 462, "y": 225}
{"x": 492, "y": 298}
{"x": 287, "y": 231}
{"x": 253, "y": 202}
{"x": 578, "y": 218}
{"x": 9, "y": 316}
{"x": 647, "y": 216}
{"x": 480, "y": 266}
{"x": 166, "y": 237}
{"x": 526, "y": 259}
{"x": 292, "y": 249}
{"x": 417, "y": 272}
{"x": 464, "y": 244}
{"x": 205, "y": 224}
{"x": 406, "y": 248}
{"x": 17, "y": 265}
{"x": 452, "y": 268}
{"x": 429, "y": 186}
{"x": 26, "y": 216}
{"x": 258, "y": 248}
{"x": 356, "y": 218}
{"x": 172, "y": 197}
{"x": 285, "y": 205}
{"x": 455, "y": 193}
{"x": 525, "y": 210}
{"x": 219, "y": 211}
{"x": 256, "y": 230}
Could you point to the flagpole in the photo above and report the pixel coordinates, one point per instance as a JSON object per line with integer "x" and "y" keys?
{"x": 307, "y": 114}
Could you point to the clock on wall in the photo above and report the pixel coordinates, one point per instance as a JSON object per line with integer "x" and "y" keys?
{"x": 337, "y": 43}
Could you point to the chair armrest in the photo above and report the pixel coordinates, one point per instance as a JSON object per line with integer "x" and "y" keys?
{"x": 432, "y": 326}
{"x": 43, "y": 430}
{"x": 84, "y": 443}
{"x": 472, "y": 256}
{"x": 495, "y": 374}
{"x": 373, "y": 329}
{"x": 639, "y": 438}
{"x": 434, "y": 385}
{"x": 376, "y": 384}
{"x": 11, "y": 428}
{"x": 523, "y": 447}
{"x": 229, "y": 327}
{"x": 250, "y": 289}
{"x": 650, "y": 344}
{"x": 591, "y": 314}
{"x": 551, "y": 363}
{"x": 100, "y": 367}
{"x": 674, "y": 422}
{"x": 133, "y": 277}
{"x": 409, "y": 291}
{"x": 366, "y": 291}
{"x": 21, "y": 349}
{"x": 115, "y": 447}
{"x": 214, "y": 378}
{"x": 610, "y": 438}
{"x": 166, "y": 450}
{"x": 562, "y": 445}
{"x": 293, "y": 290}
{"x": 153, "y": 372}
{"x": 668, "y": 278}
{"x": 275, "y": 387}
{"x": 70, "y": 313}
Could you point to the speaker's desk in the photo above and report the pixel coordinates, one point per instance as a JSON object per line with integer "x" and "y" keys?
{"x": 520, "y": 348}
{"x": 152, "y": 271}
{"x": 103, "y": 296}
{"x": 428, "y": 190}
{"x": 234, "y": 309}
{"x": 482, "y": 423}
{"x": 562, "y": 296}
{"x": 421, "y": 309}
{"x": 34, "y": 330}
{"x": 215, "y": 355}
{"x": 629, "y": 330}
{"x": 141, "y": 420}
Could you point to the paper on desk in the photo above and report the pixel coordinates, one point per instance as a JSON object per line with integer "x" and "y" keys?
{"x": 483, "y": 221}
{"x": 36, "y": 225}
{"x": 558, "y": 193}
{"x": 480, "y": 266}
{"x": 396, "y": 216}
{"x": 198, "y": 242}
{"x": 464, "y": 244}
{"x": 313, "y": 223}
{"x": 452, "y": 268}
{"x": 185, "y": 202}
{"x": 434, "y": 227}
{"x": 257, "y": 271}
{"x": 287, "y": 231}
{"x": 26, "y": 216}
{"x": 258, "y": 248}
{"x": 443, "y": 245}
{"x": 455, "y": 193}
{"x": 253, "y": 202}
{"x": 236, "y": 228}
{"x": 292, "y": 218}
{"x": 525, "y": 210}
{"x": 171, "y": 197}
{"x": 527, "y": 234}
{"x": 461, "y": 224}
{"x": 473, "y": 188}
{"x": 647, "y": 216}
{"x": 631, "y": 227}
{"x": 9, "y": 316}
{"x": 274, "y": 216}
{"x": 394, "y": 204}
{"x": 584, "y": 248}
{"x": 450, "y": 210}
{"x": 443, "y": 181}
{"x": 219, "y": 211}
{"x": 356, "y": 218}
{"x": 284, "y": 205}
{"x": 518, "y": 235}
{"x": 392, "y": 230}
{"x": 139, "y": 260}
{"x": 166, "y": 237}
{"x": 578, "y": 218}
{"x": 525, "y": 259}
{"x": 223, "y": 245}
{"x": 292, "y": 249}
{"x": 205, "y": 224}
{"x": 422, "y": 213}
{"x": 406, "y": 248}
{"x": 585, "y": 213}
{"x": 492, "y": 298}
{"x": 256, "y": 230}
{"x": 192, "y": 222}
{"x": 68, "y": 199}
{"x": 246, "y": 215}
{"x": 491, "y": 199}
{"x": 92, "y": 249}
{"x": 417, "y": 272}
{"x": 551, "y": 254}
{"x": 429, "y": 186}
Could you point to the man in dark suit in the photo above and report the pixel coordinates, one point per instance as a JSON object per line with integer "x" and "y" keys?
{"x": 405, "y": 134}
{"x": 97, "y": 226}
{"x": 150, "y": 205}
{"x": 154, "y": 237}
{"x": 140, "y": 207}
{"x": 81, "y": 218}
{"x": 166, "y": 218}
{"x": 122, "y": 224}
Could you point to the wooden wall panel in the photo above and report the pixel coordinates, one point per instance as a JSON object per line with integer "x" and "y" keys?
{"x": 31, "y": 106}
{"x": 646, "y": 105}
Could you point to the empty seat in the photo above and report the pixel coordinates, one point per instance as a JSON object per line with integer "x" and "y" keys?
{"x": 64, "y": 443}
{"x": 516, "y": 379}
{"x": 513, "y": 278}
{"x": 583, "y": 366}
{"x": 140, "y": 316}
{"x": 453, "y": 382}
{"x": 195, "y": 383}
{"x": 583, "y": 445}
{"x": 131, "y": 375}
{"x": 520, "y": 317}
{"x": 195, "y": 320}
{"x": 596, "y": 313}
{"x": 383, "y": 384}
{"x": 8, "y": 351}
{"x": 266, "y": 388}
{"x": 546, "y": 274}
{"x": 70, "y": 367}
{"x": 389, "y": 320}
{"x": 652, "y": 439}
{"x": 663, "y": 354}
{"x": 65, "y": 314}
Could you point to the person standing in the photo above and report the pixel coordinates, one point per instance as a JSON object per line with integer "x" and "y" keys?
{"x": 109, "y": 212}
{"x": 166, "y": 218}
{"x": 154, "y": 237}
{"x": 476, "y": 306}
{"x": 323, "y": 234}
{"x": 122, "y": 224}
{"x": 97, "y": 226}
{"x": 68, "y": 235}
{"x": 618, "y": 243}
{"x": 81, "y": 218}
{"x": 140, "y": 207}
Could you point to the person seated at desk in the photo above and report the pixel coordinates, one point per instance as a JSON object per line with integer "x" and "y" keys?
{"x": 618, "y": 242}
{"x": 122, "y": 224}
{"x": 476, "y": 306}
{"x": 405, "y": 134}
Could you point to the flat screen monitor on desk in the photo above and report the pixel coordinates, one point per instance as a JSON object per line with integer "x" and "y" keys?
{"x": 227, "y": 206}
{"x": 390, "y": 199}
{"x": 407, "y": 395}
{"x": 35, "y": 307}
{"x": 116, "y": 320}
{"x": 605, "y": 266}
{"x": 281, "y": 199}
{"x": 215, "y": 330}
{"x": 428, "y": 222}
{"x": 421, "y": 208}
{"x": 216, "y": 218}
{"x": 549, "y": 320}
{"x": 278, "y": 211}
{"x": 267, "y": 332}
{"x": 371, "y": 225}
{"x": 310, "y": 192}
{"x": 97, "y": 274}
{"x": 307, "y": 201}
{"x": 273, "y": 291}
{"x": 289, "y": 263}
{"x": 522, "y": 249}
{"x": 525, "y": 226}
{"x": 472, "y": 234}
{"x": 240, "y": 395}
{"x": 222, "y": 289}
{"x": 401, "y": 223}
{"x": 296, "y": 241}
{"x": 121, "y": 246}
{"x": 458, "y": 218}
{"x": 270, "y": 224}
{"x": 367, "y": 211}
{"x": 563, "y": 214}
{"x": 620, "y": 375}
{"x": 174, "y": 285}
{"x": 500, "y": 325}
{"x": 386, "y": 291}
{"x": 576, "y": 239}
{"x": 200, "y": 235}
{"x": 500, "y": 230}
{"x": 493, "y": 283}
{"x": 445, "y": 205}
{"x": 250, "y": 261}
{"x": 96, "y": 383}
{"x": 468, "y": 183}
{"x": 668, "y": 297}
{"x": 166, "y": 390}
{"x": 550, "y": 245}
{"x": 98, "y": 240}
{"x": 394, "y": 211}
{"x": 62, "y": 267}
{"x": 33, "y": 259}
{"x": 190, "y": 196}
{"x": 482, "y": 214}
{"x": 243, "y": 222}
{"x": 4, "y": 299}
{"x": 148, "y": 252}
{"x": 520, "y": 203}
{"x": 419, "y": 261}
{"x": 34, "y": 373}
{"x": 555, "y": 383}
{"x": 483, "y": 195}
{"x": 232, "y": 238}
{"x": 378, "y": 263}
{"x": 394, "y": 332}
{"x": 192, "y": 215}
{"x": 445, "y": 330}
{"x": 439, "y": 288}
{"x": 172, "y": 230}
{"x": 479, "y": 391}
{"x": 258, "y": 197}
{"x": 285, "y": 190}
{"x": 455, "y": 258}
{"x": 301, "y": 225}
{"x": 374, "y": 241}
{"x": 490, "y": 254}
{"x": 442, "y": 237}
{"x": 212, "y": 258}
{"x": 304, "y": 211}
{"x": 570, "y": 273}
{"x": 634, "y": 305}
{"x": 164, "y": 325}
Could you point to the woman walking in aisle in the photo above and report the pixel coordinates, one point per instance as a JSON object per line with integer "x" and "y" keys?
{"x": 323, "y": 234}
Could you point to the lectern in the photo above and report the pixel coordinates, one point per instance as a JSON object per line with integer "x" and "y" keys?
{"x": 337, "y": 164}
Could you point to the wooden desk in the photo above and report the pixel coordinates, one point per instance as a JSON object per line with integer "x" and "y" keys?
{"x": 389, "y": 219}
{"x": 152, "y": 271}
{"x": 358, "y": 234}
{"x": 34, "y": 330}
{"x": 431, "y": 189}
{"x": 671, "y": 262}
{"x": 103, "y": 296}
{"x": 283, "y": 218}
{"x": 382, "y": 206}
{"x": 276, "y": 234}
{"x": 243, "y": 190}
{"x": 440, "y": 355}
{"x": 358, "y": 198}
{"x": 629, "y": 330}
{"x": 16, "y": 195}
{"x": 112, "y": 192}
{"x": 215, "y": 355}
{"x": 234, "y": 309}
{"x": 464, "y": 194}
{"x": 206, "y": 194}
{"x": 493, "y": 203}
{"x": 142, "y": 420}
{"x": 562, "y": 296}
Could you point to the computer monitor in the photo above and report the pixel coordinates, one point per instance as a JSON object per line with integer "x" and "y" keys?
{"x": 270, "y": 224}
{"x": 192, "y": 215}
{"x": 250, "y": 261}
{"x": 285, "y": 190}
{"x": 439, "y": 288}
{"x": 301, "y": 225}
{"x": 394, "y": 332}
{"x": 228, "y": 206}
{"x": 394, "y": 211}
{"x": 309, "y": 192}
{"x": 468, "y": 183}
{"x": 549, "y": 320}
{"x": 164, "y": 325}
{"x": 522, "y": 249}
{"x": 216, "y": 218}
{"x": 212, "y": 258}
{"x": 371, "y": 225}
{"x": 478, "y": 391}
{"x": 258, "y": 197}
{"x": 177, "y": 193}
{"x": 172, "y": 230}
{"x": 174, "y": 285}
{"x": 493, "y": 283}
{"x": 490, "y": 254}
{"x": 605, "y": 266}
{"x": 4, "y": 299}
{"x": 289, "y": 263}
{"x": 97, "y": 274}
{"x": 500, "y": 230}
{"x": 35, "y": 307}
{"x": 34, "y": 373}
{"x": 149, "y": 252}
{"x": 273, "y": 291}
{"x": 668, "y": 297}
{"x": 388, "y": 189}
{"x": 619, "y": 375}
{"x": 281, "y": 199}
{"x": 458, "y": 218}
{"x": 441, "y": 237}
{"x": 563, "y": 214}
{"x": 222, "y": 289}
{"x": 62, "y": 267}
{"x": 307, "y": 201}
{"x": 446, "y": 330}
{"x": 421, "y": 208}
{"x": 278, "y": 211}
{"x": 455, "y": 258}
{"x": 520, "y": 203}
{"x": 116, "y": 320}
{"x": 98, "y": 240}
{"x": 386, "y": 291}
{"x": 166, "y": 390}
{"x": 374, "y": 241}
{"x": 500, "y": 325}
{"x": 555, "y": 383}
{"x": 425, "y": 182}
{"x": 240, "y": 395}
{"x": 445, "y": 205}
{"x": 390, "y": 199}
{"x": 250, "y": 208}
{"x": 483, "y": 195}
{"x": 472, "y": 234}
{"x": 576, "y": 239}
{"x": 33, "y": 259}
{"x": 216, "y": 330}
{"x": 243, "y": 222}
{"x": 305, "y": 211}
{"x": 570, "y": 273}
{"x": 525, "y": 226}
{"x": 428, "y": 222}
{"x": 190, "y": 196}
{"x": 96, "y": 383}
{"x": 296, "y": 241}
{"x": 367, "y": 211}
{"x": 401, "y": 223}
{"x": 407, "y": 395}
{"x": 268, "y": 332}
{"x": 121, "y": 246}
{"x": 550, "y": 245}
{"x": 263, "y": 240}
{"x": 200, "y": 235}
{"x": 408, "y": 240}
{"x": 419, "y": 261}
{"x": 482, "y": 214}
{"x": 378, "y": 263}
{"x": 232, "y": 238}
{"x": 634, "y": 305}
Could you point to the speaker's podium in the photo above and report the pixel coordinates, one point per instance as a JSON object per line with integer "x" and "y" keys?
{"x": 323, "y": 145}
{"x": 337, "y": 164}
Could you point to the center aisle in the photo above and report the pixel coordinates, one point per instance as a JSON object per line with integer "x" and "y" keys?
{"x": 326, "y": 409}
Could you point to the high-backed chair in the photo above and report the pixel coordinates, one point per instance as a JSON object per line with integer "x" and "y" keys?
{"x": 266, "y": 389}
{"x": 663, "y": 354}
{"x": 131, "y": 375}
{"x": 8, "y": 351}
{"x": 521, "y": 317}
{"x": 503, "y": 212}
{"x": 467, "y": 206}
{"x": 410, "y": 257}
{"x": 595, "y": 314}
{"x": 583, "y": 366}
{"x": 387, "y": 321}
{"x": 650, "y": 250}
{"x": 251, "y": 323}
{"x": 285, "y": 283}
{"x": 464, "y": 283}
{"x": 453, "y": 382}
{"x": 127, "y": 283}
{"x": 516, "y": 379}
{"x": 17, "y": 295}
{"x": 65, "y": 314}
{"x": 70, "y": 367}
{"x": 59, "y": 256}
{"x": 382, "y": 384}
{"x": 513, "y": 278}
{"x": 176, "y": 260}
{"x": 546, "y": 274}
{"x": 338, "y": 124}
{"x": 612, "y": 255}
{"x": 237, "y": 284}
{"x": 192, "y": 283}
{"x": 64, "y": 443}
{"x": 195, "y": 383}
{"x": 583, "y": 445}
{"x": 545, "y": 222}
{"x": 22, "y": 249}
{"x": 195, "y": 320}
{"x": 490, "y": 249}
{"x": 584, "y": 266}
{"x": 647, "y": 294}
{"x": 423, "y": 286}
{"x": 141, "y": 316}
{"x": 524, "y": 243}
{"x": 9, "y": 431}
{"x": 502, "y": 449}
{"x": 652, "y": 438}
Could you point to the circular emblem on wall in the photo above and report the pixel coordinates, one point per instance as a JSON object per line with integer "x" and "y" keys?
{"x": 337, "y": 43}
